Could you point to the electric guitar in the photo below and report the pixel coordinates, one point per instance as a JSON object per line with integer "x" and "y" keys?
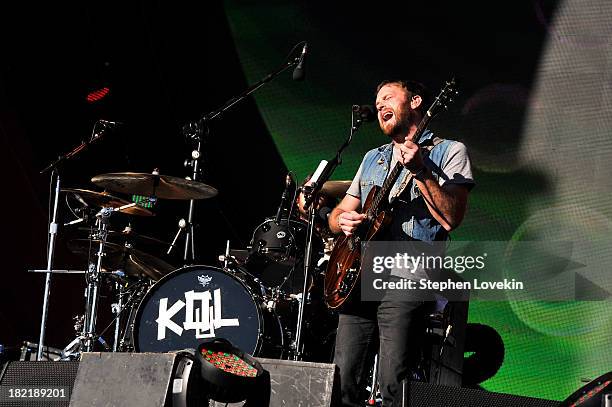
{"x": 344, "y": 266}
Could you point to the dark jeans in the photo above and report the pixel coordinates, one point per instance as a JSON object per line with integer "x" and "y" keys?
{"x": 396, "y": 326}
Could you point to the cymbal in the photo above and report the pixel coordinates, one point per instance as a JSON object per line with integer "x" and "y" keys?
{"x": 118, "y": 256}
{"x": 335, "y": 189}
{"x": 160, "y": 186}
{"x": 104, "y": 199}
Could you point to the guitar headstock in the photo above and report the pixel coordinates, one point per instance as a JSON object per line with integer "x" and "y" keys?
{"x": 444, "y": 98}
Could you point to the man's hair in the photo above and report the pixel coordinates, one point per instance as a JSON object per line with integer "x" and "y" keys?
{"x": 412, "y": 87}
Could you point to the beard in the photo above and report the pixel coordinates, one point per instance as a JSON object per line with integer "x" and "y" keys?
{"x": 403, "y": 119}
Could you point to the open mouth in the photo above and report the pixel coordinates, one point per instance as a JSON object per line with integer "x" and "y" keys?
{"x": 386, "y": 116}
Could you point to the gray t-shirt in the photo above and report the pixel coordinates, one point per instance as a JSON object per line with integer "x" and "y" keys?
{"x": 456, "y": 169}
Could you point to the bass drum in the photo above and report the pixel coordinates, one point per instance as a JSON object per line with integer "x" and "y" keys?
{"x": 196, "y": 303}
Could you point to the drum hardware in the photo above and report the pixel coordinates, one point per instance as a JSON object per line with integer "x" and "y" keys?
{"x": 164, "y": 187}
{"x": 125, "y": 255}
{"x": 79, "y": 322}
{"x": 195, "y": 136}
{"x": 85, "y": 341}
{"x": 116, "y": 309}
{"x": 124, "y": 260}
{"x": 98, "y": 130}
{"x": 128, "y": 294}
{"x": 104, "y": 199}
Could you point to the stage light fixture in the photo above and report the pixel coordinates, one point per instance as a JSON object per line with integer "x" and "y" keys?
{"x": 597, "y": 393}
{"x": 229, "y": 374}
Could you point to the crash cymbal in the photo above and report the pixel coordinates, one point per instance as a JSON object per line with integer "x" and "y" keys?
{"x": 132, "y": 261}
{"x": 335, "y": 189}
{"x": 160, "y": 186}
{"x": 106, "y": 200}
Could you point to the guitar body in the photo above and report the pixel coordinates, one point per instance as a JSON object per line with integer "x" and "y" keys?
{"x": 344, "y": 265}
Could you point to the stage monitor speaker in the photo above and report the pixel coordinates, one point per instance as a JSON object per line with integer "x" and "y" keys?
{"x": 136, "y": 380}
{"x": 37, "y": 384}
{"x": 298, "y": 384}
{"x": 431, "y": 395}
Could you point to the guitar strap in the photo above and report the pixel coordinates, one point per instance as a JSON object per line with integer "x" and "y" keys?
{"x": 408, "y": 177}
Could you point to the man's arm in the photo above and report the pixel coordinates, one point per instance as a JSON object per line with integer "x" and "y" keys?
{"x": 344, "y": 217}
{"x": 446, "y": 203}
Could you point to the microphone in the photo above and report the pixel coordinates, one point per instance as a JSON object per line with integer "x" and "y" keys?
{"x": 299, "y": 72}
{"x": 288, "y": 183}
{"x": 104, "y": 125}
{"x": 367, "y": 113}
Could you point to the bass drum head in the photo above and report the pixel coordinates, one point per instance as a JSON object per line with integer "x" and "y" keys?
{"x": 196, "y": 303}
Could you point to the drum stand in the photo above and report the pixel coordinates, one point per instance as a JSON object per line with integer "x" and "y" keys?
{"x": 128, "y": 296}
{"x": 116, "y": 309}
{"x": 194, "y": 133}
{"x": 86, "y": 340}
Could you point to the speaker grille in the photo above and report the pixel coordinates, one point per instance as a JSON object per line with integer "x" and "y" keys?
{"x": 425, "y": 394}
{"x": 39, "y": 374}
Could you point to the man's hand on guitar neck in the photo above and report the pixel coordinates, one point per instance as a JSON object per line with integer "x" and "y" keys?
{"x": 345, "y": 218}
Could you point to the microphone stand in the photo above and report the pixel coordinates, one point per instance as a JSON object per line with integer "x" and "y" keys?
{"x": 53, "y": 227}
{"x": 195, "y": 130}
{"x": 311, "y": 193}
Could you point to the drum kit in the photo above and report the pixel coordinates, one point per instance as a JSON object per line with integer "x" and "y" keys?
{"x": 252, "y": 298}
{"x": 267, "y": 298}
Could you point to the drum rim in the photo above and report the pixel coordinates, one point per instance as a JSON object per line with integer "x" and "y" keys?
{"x": 292, "y": 237}
{"x": 154, "y": 287}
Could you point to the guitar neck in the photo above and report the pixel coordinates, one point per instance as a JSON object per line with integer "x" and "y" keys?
{"x": 395, "y": 172}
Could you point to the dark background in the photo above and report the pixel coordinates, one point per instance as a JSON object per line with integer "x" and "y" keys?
{"x": 165, "y": 65}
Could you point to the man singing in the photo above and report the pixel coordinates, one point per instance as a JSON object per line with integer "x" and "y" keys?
{"x": 429, "y": 200}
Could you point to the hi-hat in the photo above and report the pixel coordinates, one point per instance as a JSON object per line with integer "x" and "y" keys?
{"x": 160, "y": 186}
{"x": 131, "y": 261}
{"x": 106, "y": 200}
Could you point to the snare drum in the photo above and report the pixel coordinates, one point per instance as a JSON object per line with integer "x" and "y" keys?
{"x": 195, "y": 303}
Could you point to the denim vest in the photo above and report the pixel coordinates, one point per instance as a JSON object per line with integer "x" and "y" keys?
{"x": 411, "y": 218}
